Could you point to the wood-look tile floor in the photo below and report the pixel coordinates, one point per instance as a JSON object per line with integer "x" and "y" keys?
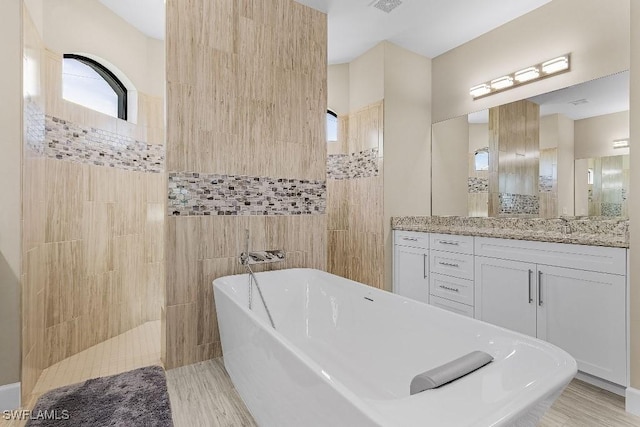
{"x": 133, "y": 349}
{"x": 202, "y": 395}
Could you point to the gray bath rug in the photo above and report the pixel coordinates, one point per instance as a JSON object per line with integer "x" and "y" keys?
{"x": 134, "y": 398}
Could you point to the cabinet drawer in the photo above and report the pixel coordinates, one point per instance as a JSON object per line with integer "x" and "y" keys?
{"x": 452, "y": 243}
{"x": 451, "y": 288}
{"x": 452, "y": 264}
{"x": 413, "y": 239}
{"x": 452, "y": 306}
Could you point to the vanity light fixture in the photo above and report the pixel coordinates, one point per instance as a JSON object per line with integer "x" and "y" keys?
{"x": 480, "y": 90}
{"x": 555, "y": 65}
{"x": 621, "y": 143}
{"x": 527, "y": 74}
{"x": 545, "y": 69}
{"x": 502, "y": 83}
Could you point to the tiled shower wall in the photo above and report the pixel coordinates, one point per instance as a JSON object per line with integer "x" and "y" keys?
{"x": 548, "y": 183}
{"x": 355, "y": 197}
{"x": 477, "y": 190}
{"x": 246, "y": 149}
{"x": 93, "y": 203}
{"x": 609, "y": 192}
{"x": 514, "y": 156}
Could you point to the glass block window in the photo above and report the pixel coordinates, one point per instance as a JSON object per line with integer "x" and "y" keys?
{"x": 92, "y": 85}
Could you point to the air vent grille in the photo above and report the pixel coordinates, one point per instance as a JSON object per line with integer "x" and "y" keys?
{"x": 387, "y": 5}
{"x": 579, "y": 101}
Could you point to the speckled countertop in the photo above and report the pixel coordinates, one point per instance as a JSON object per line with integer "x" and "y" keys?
{"x": 612, "y": 232}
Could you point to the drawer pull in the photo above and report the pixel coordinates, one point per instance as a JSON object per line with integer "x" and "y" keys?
{"x": 448, "y": 264}
{"x": 410, "y": 239}
{"x": 444, "y": 242}
{"x": 446, "y": 288}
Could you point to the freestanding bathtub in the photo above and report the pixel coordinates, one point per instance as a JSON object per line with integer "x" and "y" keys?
{"x": 344, "y": 354}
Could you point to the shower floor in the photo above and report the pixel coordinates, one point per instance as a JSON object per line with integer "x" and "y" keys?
{"x": 133, "y": 349}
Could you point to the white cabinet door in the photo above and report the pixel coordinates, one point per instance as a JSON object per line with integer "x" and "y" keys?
{"x": 584, "y": 313}
{"x": 505, "y": 294}
{"x": 411, "y": 269}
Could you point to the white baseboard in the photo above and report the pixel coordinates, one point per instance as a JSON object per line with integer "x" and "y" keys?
{"x": 603, "y": 384}
{"x": 633, "y": 401}
{"x": 9, "y": 397}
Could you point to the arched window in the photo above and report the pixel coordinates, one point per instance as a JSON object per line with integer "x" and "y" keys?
{"x": 332, "y": 126}
{"x": 92, "y": 85}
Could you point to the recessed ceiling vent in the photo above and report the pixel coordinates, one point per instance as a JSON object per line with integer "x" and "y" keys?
{"x": 386, "y": 5}
{"x": 579, "y": 101}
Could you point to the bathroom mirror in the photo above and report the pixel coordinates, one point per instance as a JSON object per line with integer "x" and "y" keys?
{"x": 543, "y": 172}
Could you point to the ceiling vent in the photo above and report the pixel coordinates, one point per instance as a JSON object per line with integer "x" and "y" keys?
{"x": 579, "y": 101}
{"x": 386, "y": 5}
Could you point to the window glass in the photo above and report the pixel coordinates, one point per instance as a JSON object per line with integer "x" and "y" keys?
{"x": 482, "y": 159}
{"x": 83, "y": 85}
{"x": 332, "y": 126}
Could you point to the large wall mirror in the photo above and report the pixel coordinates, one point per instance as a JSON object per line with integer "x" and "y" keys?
{"x": 563, "y": 153}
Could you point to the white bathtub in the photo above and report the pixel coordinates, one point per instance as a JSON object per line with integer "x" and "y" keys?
{"x": 337, "y": 358}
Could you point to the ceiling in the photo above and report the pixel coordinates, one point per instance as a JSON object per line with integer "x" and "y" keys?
{"x": 597, "y": 97}
{"x": 427, "y": 27}
{"x": 145, "y": 15}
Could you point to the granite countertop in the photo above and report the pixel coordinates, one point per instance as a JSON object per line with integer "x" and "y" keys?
{"x": 601, "y": 231}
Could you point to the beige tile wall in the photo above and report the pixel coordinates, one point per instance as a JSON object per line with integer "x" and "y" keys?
{"x": 93, "y": 248}
{"x": 514, "y": 151}
{"x": 246, "y": 82}
{"x": 549, "y": 167}
{"x": 477, "y": 203}
{"x": 610, "y": 183}
{"x": 355, "y": 206}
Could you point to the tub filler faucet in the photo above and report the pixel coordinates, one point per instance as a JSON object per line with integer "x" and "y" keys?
{"x": 566, "y": 228}
{"x": 247, "y": 259}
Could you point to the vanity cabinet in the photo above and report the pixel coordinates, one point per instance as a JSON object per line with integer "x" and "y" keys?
{"x": 573, "y": 296}
{"x": 411, "y": 265}
{"x": 577, "y": 306}
{"x": 584, "y": 313}
{"x": 506, "y": 294}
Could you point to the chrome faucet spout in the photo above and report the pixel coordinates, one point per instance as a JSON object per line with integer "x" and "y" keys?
{"x": 566, "y": 227}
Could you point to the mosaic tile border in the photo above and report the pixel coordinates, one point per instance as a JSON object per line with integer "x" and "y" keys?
{"x": 34, "y": 128}
{"x": 64, "y": 140}
{"x": 363, "y": 164}
{"x": 194, "y": 194}
{"x": 518, "y": 204}
{"x": 611, "y": 209}
{"x": 478, "y": 185}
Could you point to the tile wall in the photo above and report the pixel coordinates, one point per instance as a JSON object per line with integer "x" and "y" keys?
{"x": 246, "y": 84}
{"x": 514, "y": 158}
{"x": 93, "y": 208}
{"x": 548, "y": 183}
{"x": 355, "y": 197}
